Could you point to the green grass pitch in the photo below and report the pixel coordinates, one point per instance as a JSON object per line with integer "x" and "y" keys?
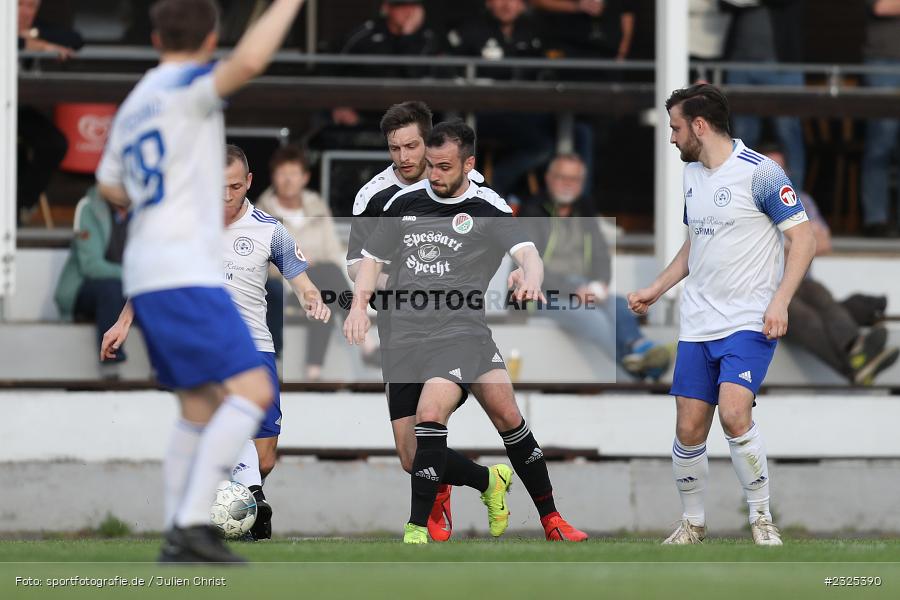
{"x": 724, "y": 569}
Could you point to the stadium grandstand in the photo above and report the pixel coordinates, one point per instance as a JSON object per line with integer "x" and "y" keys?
{"x": 813, "y": 85}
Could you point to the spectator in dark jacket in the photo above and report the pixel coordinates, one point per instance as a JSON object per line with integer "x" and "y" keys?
{"x": 400, "y": 31}
{"x": 577, "y": 264}
{"x": 41, "y": 146}
{"x": 524, "y": 141}
{"x": 90, "y": 286}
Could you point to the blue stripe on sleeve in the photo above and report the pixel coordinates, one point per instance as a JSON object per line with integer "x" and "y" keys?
{"x": 285, "y": 254}
{"x": 773, "y": 192}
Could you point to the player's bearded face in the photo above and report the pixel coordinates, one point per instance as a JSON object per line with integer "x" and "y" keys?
{"x": 690, "y": 149}
{"x": 445, "y": 170}
{"x": 683, "y": 136}
{"x": 407, "y": 150}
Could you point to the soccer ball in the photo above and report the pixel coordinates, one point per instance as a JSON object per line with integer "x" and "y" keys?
{"x": 234, "y": 511}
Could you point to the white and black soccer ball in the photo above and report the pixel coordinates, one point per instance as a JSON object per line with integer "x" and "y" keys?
{"x": 234, "y": 510}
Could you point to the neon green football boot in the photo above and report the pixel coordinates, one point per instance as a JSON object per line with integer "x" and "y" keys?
{"x": 414, "y": 534}
{"x": 494, "y": 498}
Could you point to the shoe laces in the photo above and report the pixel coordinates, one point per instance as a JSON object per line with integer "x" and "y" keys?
{"x": 767, "y": 528}
{"x": 685, "y": 526}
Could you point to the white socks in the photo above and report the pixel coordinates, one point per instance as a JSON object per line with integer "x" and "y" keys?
{"x": 177, "y": 465}
{"x": 690, "y": 466}
{"x": 748, "y": 455}
{"x": 246, "y": 471}
{"x": 235, "y": 421}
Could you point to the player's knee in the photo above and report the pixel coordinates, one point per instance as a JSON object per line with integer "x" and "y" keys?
{"x": 508, "y": 419}
{"x": 735, "y": 422}
{"x": 258, "y": 388}
{"x": 690, "y": 434}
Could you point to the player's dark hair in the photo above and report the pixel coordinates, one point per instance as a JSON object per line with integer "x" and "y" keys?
{"x": 407, "y": 113}
{"x": 703, "y": 100}
{"x": 455, "y": 131}
{"x": 182, "y": 25}
{"x": 288, "y": 154}
{"x": 234, "y": 154}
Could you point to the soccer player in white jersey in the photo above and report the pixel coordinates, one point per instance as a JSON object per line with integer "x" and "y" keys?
{"x": 252, "y": 240}
{"x": 164, "y": 161}
{"x": 738, "y": 206}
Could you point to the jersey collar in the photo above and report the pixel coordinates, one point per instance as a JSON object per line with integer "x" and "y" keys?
{"x": 469, "y": 193}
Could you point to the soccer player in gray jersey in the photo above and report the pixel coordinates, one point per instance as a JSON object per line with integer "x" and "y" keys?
{"x": 405, "y": 127}
{"x": 446, "y": 369}
{"x": 738, "y": 206}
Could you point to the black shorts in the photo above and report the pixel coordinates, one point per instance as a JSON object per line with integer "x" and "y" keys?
{"x": 406, "y": 370}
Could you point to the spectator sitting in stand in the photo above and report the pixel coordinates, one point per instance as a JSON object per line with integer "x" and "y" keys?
{"x": 576, "y": 261}
{"x": 41, "y": 146}
{"x": 825, "y": 327}
{"x": 90, "y": 285}
{"x": 308, "y": 219}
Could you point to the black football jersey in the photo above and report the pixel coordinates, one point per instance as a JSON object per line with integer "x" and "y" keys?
{"x": 442, "y": 254}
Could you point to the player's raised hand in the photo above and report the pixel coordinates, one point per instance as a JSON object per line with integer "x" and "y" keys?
{"x": 639, "y": 302}
{"x": 356, "y": 325}
{"x": 113, "y": 339}
{"x": 775, "y": 320}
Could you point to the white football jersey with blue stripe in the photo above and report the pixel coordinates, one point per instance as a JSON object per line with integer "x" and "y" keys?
{"x": 735, "y": 214}
{"x": 166, "y": 147}
{"x": 250, "y": 244}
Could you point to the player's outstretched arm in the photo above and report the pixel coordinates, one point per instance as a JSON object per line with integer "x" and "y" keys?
{"x": 310, "y": 298}
{"x": 528, "y": 258}
{"x": 639, "y": 302}
{"x": 255, "y": 49}
{"x": 115, "y": 336}
{"x": 803, "y": 249}
{"x": 357, "y": 323}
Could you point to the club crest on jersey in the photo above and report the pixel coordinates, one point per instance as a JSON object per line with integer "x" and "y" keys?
{"x": 788, "y": 196}
{"x": 243, "y": 246}
{"x": 429, "y": 253}
{"x": 722, "y": 197}
{"x": 463, "y": 223}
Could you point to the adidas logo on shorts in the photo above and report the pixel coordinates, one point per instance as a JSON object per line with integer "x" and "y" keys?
{"x": 428, "y": 473}
{"x": 456, "y": 373}
{"x": 496, "y": 358}
{"x": 746, "y": 376}
{"x": 535, "y": 456}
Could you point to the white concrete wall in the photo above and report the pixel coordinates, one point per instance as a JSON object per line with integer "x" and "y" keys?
{"x": 313, "y": 498}
{"x": 134, "y": 426}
